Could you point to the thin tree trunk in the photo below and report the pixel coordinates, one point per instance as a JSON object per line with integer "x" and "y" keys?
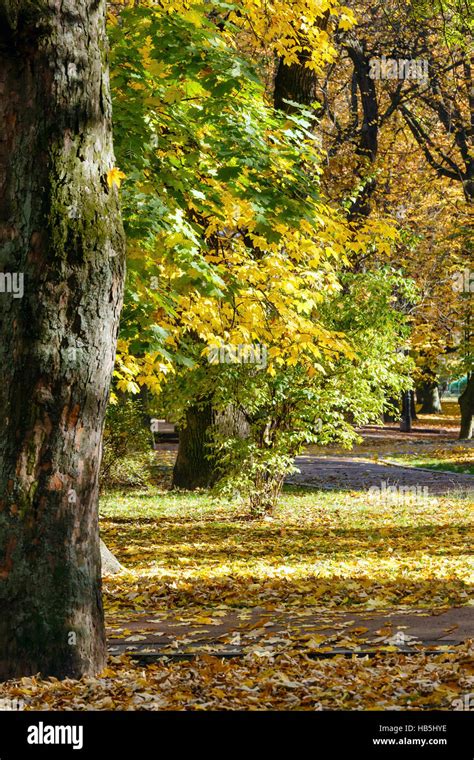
{"x": 60, "y": 227}
{"x": 367, "y": 147}
{"x": 405, "y": 420}
{"x": 466, "y": 404}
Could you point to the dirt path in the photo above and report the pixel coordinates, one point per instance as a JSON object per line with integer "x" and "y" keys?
{"x": 352, "y": 473}
{"x": 319, "y": 632}
{"x": 322, "y": 633}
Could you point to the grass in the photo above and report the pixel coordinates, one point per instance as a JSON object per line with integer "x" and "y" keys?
{"x": 456, "y": 463}
{"x": 322, "y": 549}
{"x": 189, "y": 555}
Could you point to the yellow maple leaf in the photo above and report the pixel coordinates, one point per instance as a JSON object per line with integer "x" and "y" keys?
{"x": 115, "y": 177}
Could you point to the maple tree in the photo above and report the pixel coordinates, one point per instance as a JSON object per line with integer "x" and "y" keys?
{"x": 232, "y": 245}
{"x": 389, "y": 135}
{"x": 296, "y": 230}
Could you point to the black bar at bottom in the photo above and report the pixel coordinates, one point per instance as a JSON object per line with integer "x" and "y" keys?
{"x": 124, "y": 734}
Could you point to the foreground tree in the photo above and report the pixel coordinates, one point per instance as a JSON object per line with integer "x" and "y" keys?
{"x": 60, "y": 230}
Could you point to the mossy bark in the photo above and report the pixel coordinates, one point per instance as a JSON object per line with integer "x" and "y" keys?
{"x": 60, "y": 227}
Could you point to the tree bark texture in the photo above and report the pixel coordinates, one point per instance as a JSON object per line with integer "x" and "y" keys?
{"x": 195, "y": 466}
{"x": 294, "y": 82}
{"x": 60, "y": 226}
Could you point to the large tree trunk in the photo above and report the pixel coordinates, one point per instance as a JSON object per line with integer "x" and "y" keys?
{"x": 195, "y": 466}
{"x": 428, "y": 395}
{"x": 466, "y": 404}
{"x": 295, "y": 83}
{"x": 59, "y": 226}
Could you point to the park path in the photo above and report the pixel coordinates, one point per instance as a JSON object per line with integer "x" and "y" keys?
{"x": 358, "y": 470}
{"x": 319, "y": 633}
{"x": 352, "y": 473}
{"x": 316, "y": 632}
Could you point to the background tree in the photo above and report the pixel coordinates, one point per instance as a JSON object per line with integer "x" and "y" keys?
{"x": 411, "y": 132}
{"x": 230, "y": 241}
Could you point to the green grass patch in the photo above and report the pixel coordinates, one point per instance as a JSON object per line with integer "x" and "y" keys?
{"x": 430, "y": 463}
{"x": 329, "y": 549}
